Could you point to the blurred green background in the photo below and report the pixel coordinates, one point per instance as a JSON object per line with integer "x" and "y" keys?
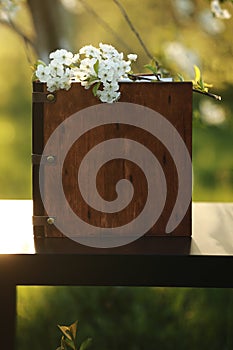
{"x": 179, "y": 33}
{"x": 127, "y": 318}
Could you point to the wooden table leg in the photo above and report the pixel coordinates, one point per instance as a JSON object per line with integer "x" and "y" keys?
{"x": 7, "y": 315}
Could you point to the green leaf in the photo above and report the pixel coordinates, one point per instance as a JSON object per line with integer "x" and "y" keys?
{"x": 96, "y": 67}
{"x": 153, "y": 69}
{"x": 70, "y": 344}
{"x": 34, "y": 77}
{"x": 92, "y": 79}
{"x": 68, "y": 339}
{"x": 199, "y": 83}
{"x": 85, "y": 344}
{"x": 73, "y": 330}
{"x": 38, "y": 62}
{"x": 34, "y": 68}
{"x": 66, "y": 331}
{"x": 63, "y": 344}
{"x": 197, "y": 73}
{"x": 180, "y": 76}
{"x": 95, "y": 88}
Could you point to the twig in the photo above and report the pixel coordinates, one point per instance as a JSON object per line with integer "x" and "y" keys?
{"x": 104, "y": 24}
{"x": 27, "y": 41}
{"x": 19, "y": 32}
{"x": 216, "y": 97}
{"x": 140, "y": 77}
{"x": 125, "y": 15}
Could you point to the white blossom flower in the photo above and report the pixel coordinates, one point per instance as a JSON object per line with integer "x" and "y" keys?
{"x": 9, "y": 7}
{"x": 218, "y": 11}
{"x": 87, "y": 65}
{"x": 53, "y": 84}
{"x": 90, "y": 51}
{"x": 55, "y": 76}
{"x": 62, "y": 57}
{"x": 56, "y": 69}
{"x": 105, "y": 72}
{"x": 79, "y": 75}
{"x": 42, "y": 73}
{"x": 109, "y": 93}
{"x": 132, "y": 57}
{"x": 75, "y": 58}
{"x": 108, "y": 96}
{"x": 65, "y": 83}
{"x": 59, "y": 82}
{"x": 122, "y": 68}
{"x": 109, "y": 51}
{"x": 112, "y": 86}
{"x": 126, "y": 66}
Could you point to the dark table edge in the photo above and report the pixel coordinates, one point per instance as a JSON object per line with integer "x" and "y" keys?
{"x": 104, "y": 270}
{"x": 117, "y": 270}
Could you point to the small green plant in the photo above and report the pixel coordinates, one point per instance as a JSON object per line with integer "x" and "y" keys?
{"x": 198, "y": 82}
{"x": 200, "y": 86}
{"x": 69, "y": 338}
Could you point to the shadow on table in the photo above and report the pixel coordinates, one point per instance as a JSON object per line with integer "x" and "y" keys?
{"x": 142, "y": 246}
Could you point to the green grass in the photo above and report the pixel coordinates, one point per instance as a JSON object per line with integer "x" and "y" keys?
{"x": 213, "y": 163}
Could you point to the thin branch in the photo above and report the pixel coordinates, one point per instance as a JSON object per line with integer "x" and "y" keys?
{"x": 142, "y": 77}
{"x": 125, "y": 15}
{"x": 216, "y": 97}
{"x": 104, "y": 24}
{"x": 27, "y": 41}
{"x": 17, "y": 30}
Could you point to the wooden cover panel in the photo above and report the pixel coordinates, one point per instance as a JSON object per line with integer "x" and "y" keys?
{"x": 172, "y": 100}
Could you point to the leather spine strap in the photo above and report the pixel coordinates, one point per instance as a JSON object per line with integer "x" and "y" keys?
{"x": 38, "y": 97}
{"x": 39, "y": 159}
{"x": 43, "y": 220}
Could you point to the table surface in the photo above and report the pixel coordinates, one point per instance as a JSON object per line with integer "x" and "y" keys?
{"x": 206, "y": 261}
{"x": 212, "y": 228}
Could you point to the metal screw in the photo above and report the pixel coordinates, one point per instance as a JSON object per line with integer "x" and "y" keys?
{"x": 50, "y": 221}
{"x": 50, "y": 97}
{"x": 50, "y": 159}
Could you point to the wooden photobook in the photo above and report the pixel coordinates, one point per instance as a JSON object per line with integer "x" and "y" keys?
{"x": 172, "y": 101}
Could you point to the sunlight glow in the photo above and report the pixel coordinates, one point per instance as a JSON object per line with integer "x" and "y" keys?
{"x": 16, "y": 232}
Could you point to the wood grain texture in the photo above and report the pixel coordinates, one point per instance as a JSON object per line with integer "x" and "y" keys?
{"x": 172, "y": 100}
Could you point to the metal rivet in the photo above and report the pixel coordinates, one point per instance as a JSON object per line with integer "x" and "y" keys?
{"x": 50, "y": 159}
{"x": 50, "y": 221}
{"x": 50, "y": 97}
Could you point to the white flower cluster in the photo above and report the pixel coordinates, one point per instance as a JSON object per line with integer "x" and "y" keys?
{"x": 102, "y": 68}
{"x": 58, "y": 74}
{"x": 218, "y": 11}
{"x": 9, "y": 6}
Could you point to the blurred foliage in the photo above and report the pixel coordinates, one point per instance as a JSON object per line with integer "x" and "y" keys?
{"x": 127, "y": 317}
{"x": 167, "y": 29}
{"x": 15, "y": 118}
{"x": 116, "y": 317}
